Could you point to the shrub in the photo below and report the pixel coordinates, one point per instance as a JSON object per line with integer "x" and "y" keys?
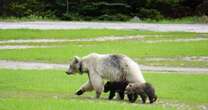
{"x": 202, "y": 9}
{"x": 71, "y": 16}
{"x": 203, "y": 19}
{"x": 150, "y": 13}
{"x": 116, "y": 17}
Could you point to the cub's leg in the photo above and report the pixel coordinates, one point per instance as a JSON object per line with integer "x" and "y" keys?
{"x": 132, "y": 97}
{"x": 111, "y": 95}
{"x": 143, "y": 97}
{"x": 121, "y": 94}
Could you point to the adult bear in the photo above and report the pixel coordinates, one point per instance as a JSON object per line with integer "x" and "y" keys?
{"x": 105, "y": 66}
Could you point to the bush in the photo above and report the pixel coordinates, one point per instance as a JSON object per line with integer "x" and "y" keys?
{"x": 180, "y": 11}
{"x": 202, "y": 9}
{"x": 71, "y": 16}
{"x": 111, "y": 10}
{"x": 117, "y": 17}
{"x": 203, "y": 19}
{"x": 135, "y": 19}
{"x": 150, "y": 13}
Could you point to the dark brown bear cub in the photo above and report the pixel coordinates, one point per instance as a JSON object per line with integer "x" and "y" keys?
{"x": 142, "y": 90}
{"x": 115, "y": 86}
{"x": 120, "y": 87}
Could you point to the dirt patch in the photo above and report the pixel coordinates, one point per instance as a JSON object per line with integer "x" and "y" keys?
{"x": 188, "y": 70}
{"x": 191, "y": 58}
{"x": 29, "y": 65}
{"x": 98, "y": 39}
{"x": 176, "y": 40}
{"x": 5, "y": 47}
{"x": 33, "y": 41}
{"x": 203, "y": 107}
{"x": 182, "y": 106}
{"x": 101, "y": 39}
{"x": 36, "y": 65}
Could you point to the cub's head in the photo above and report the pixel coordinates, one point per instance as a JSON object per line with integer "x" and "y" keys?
{"x": 150, "y": 91}
{"x": 107, "y": 86}
{"x": 129, "y": 88}
{"x": 74, "y": 66}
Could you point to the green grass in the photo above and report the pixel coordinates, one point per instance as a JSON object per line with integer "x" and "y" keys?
{"x": 49, "y": 89}
{"x": 73, "y": 104}
{"x": 78, "y": 33}
{"x": 70, "y": 34}
{"x": 180, "y": 87}
{"x": 53, "y": 89}
{"x": 137, "y": 49}
{"x": 184, "y": 20}
{"x": 133, "y": 49}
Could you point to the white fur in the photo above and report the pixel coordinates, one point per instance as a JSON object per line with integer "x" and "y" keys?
{"x": 98, "y": 68}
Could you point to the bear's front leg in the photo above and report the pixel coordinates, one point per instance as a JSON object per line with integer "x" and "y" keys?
{"x": 85, "y": 87}
{"x": 97, "y": 83}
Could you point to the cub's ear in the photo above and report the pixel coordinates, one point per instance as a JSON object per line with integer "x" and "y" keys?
{"x": 108, "y": 83}
{"x": 76, "y": 59}
{"x": 130, "y": 85}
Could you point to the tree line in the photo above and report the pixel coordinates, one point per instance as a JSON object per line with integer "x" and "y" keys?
{"x": 103, "y": 9}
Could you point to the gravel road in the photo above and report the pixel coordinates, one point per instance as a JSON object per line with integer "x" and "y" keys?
{"x": 107, "y": 25}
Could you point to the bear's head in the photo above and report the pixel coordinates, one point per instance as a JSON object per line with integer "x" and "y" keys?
{"x": 107, "y": 86}
{"x": 75, "y": 66}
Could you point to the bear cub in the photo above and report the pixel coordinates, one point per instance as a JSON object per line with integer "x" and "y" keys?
{"x": 120, "y": 88}
{"x": 115, "y": 86}
{"x": 133, "y": 89}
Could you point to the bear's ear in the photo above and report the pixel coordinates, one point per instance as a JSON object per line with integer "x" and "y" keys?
{"x": 76, "y": 59}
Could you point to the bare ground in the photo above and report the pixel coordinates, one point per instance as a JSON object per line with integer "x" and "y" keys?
{"x": 105, "y": 25}
{"x": 186, "y": 58}
{"x": 99, "y": 39}
{"x": 36, "y": 65}
{"x": 105, "y": 38}
{"x": 5, "y": 47}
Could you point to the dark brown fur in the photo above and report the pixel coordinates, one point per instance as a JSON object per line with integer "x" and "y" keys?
{"x": 143, "y": 90}
{"x": 115, "y": 86}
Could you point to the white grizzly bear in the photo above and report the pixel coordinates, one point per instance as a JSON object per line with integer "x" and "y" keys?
{"x": 105, "y": 66}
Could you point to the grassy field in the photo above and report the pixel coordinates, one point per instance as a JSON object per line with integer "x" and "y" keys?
{"x": 140, "y": 49}
{"x": 79, "y": 33}
{"x": 54, "y": 90}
